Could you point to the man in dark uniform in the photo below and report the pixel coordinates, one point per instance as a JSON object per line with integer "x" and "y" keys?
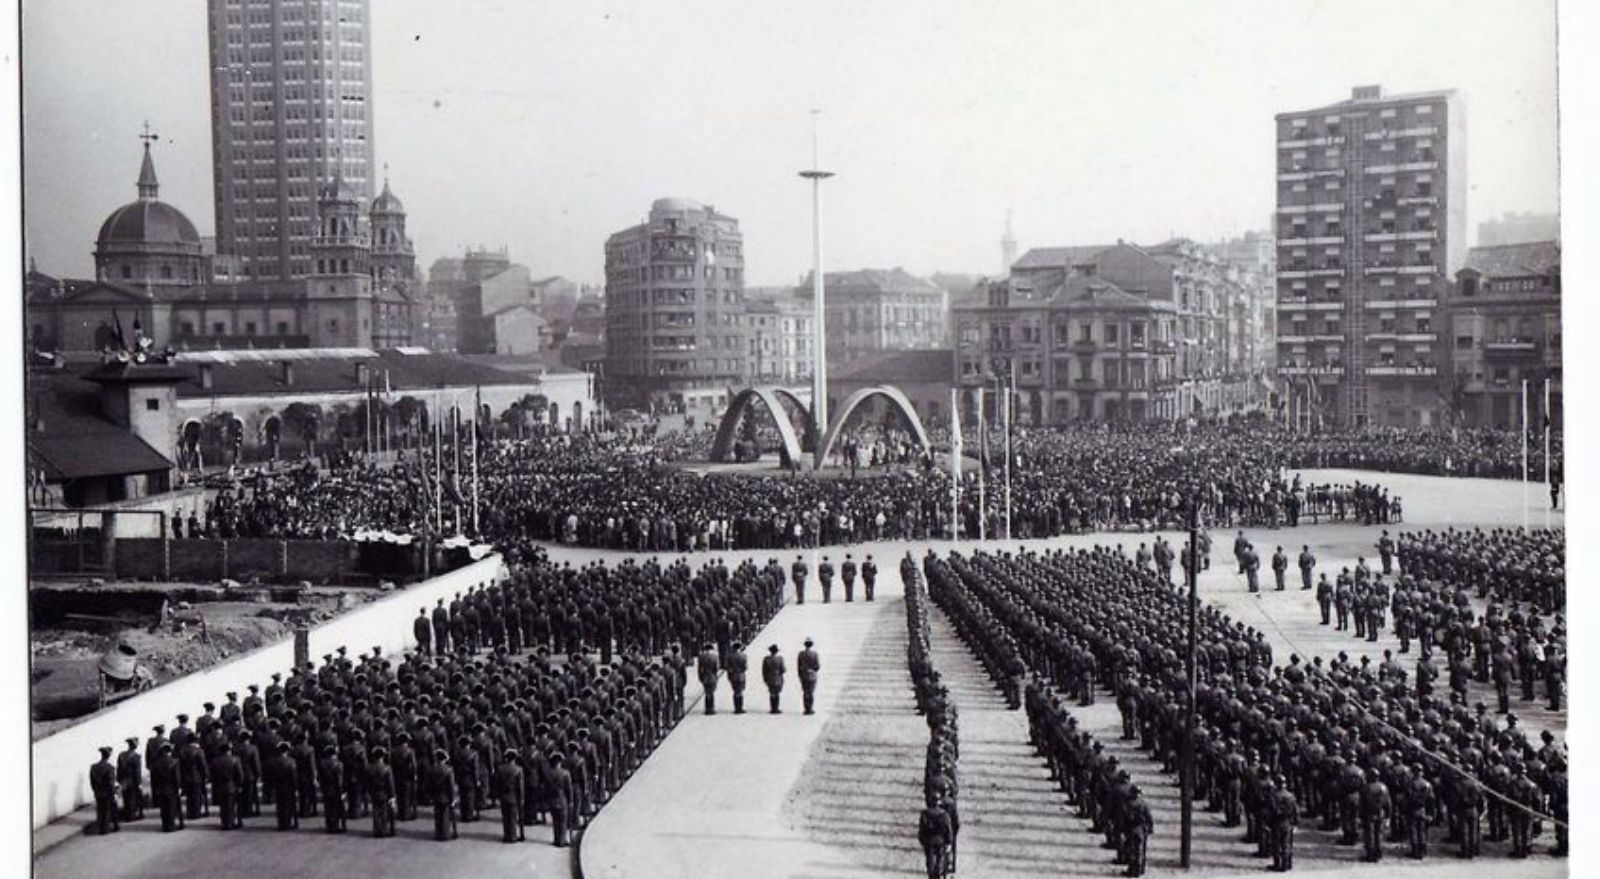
{"x": 1420, "y": 806}
{"x": 166, "y": 784}
{"x": 1284, "y": 812}
{"x": 1137, "y": 826}
{"x": 442, "y": 790}
{"x": 130, "y": 774}
{"x": 738, "y": 671}
{"x": 869, "y": 575}
{"x": 103, "y": 782}
{"x": 560, "y": 800}
{"x": 1375, "y": 807}
{"x": 196, "y": 776}
{"x": 933, "y": 832}
{"x": 227, "y": 779}
{"x": 1280, "y": 567}
{"x": 508, "y": 785}
{"x": 1386, "y": 552}
{"x": 330, "y": 777}
{"x": 808, "y": 664}
{"x": 799, "y": 572}
{"x": 283, "y": 779}
{"x": 847, "y": 571}
{"x": 305, "y": 765}
{"x": 405, "y": 777}
{"x": 380, "y": 789}
{"x": 1527, "y": 795}
{"x": 825, "y": 576}
{"x": 250, "y": 780}
{"x": 707, "y": 669}
{"x": 1325, "y": 598}
{"x": 424, "y": 632}
{"x": 772, "y": 673}
{"x": 1308, "y": 562}
{"x": 441, "y": 628}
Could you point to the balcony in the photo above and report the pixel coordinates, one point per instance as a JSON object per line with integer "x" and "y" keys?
{"x": 1401, "y": 303}
{"x": 1405, "y": 371}
{"x": 1510, "y": 348}
{"x": 1303, "y": 339}
{"x": 1311, "y": 370}
{"x": 1307, "y": 305}
{"x": 1330, "y": 140}
{"x": 1413, "y": 235}
{"x": 1383, "y": 133}
{"x": 1321, "y": 208}
{"x": 1403, "y": 168}
{"x": 1392, "y": 336}
{"x": 1310, "y": 242}
{"x": 1295, "y": 175}
{"x": 1085, "y": 384}
{"x": 1084, "y": 345}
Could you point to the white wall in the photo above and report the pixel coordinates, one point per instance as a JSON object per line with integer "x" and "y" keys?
{"x": 61, "y": 761}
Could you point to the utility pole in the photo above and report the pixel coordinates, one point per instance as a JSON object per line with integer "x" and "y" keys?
{"x": 819, "y": 343}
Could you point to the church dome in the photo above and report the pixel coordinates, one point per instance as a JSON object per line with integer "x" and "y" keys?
{"x": 387, "y": 202}
{"x": 147, "y": 222}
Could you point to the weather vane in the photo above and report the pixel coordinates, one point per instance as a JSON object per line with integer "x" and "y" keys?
{"x": 148, "y": 136}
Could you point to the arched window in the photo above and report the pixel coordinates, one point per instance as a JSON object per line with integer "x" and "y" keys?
{"x": 166, "y": 272}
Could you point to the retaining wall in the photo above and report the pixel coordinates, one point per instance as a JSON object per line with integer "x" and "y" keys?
{"x": 61, "y": 761}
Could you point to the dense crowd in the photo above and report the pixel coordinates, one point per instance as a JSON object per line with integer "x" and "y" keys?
{"x": 1435, "y": 451}
{"x": 623, "y": 493}
{"x": 1375, "y": 756}
{"x": 940, "y": 822}
{"x": 538, "y": 696}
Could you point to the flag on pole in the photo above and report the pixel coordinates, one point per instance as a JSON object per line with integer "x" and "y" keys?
{"x": 955, "y": 465}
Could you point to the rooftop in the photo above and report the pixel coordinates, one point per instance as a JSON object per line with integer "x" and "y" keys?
{"x": 1515, "y": 260}
{"x": 903, "y": 367}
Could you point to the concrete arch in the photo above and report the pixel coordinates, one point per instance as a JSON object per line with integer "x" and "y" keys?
{"x": 896, "y": 398}
{"x": 743, "y": 400}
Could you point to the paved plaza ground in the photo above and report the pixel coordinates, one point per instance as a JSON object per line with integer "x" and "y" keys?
{"x": 837, "y": 794}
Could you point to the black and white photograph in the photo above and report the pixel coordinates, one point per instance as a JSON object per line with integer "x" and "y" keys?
{"x": 737, "y": 439}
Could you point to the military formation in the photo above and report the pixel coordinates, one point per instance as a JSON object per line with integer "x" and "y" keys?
{"x": 939, "y": 825}
{"x": 1341, "y": 748}
{"x": 538, "y": 696}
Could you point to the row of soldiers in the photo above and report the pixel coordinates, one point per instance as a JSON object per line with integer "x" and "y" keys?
{"x": 540, "y": 736}
{"x": 939, "y": 825}
{"x": 800, "y": 573}
{"x": 1502, "y": 564}
{"x": 1305, "y": 732}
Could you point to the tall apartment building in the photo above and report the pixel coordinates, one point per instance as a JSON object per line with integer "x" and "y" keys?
{"x": 291, "y": 108}
{"x": 675, "y": 331}
{"x": 1370, "y": 221}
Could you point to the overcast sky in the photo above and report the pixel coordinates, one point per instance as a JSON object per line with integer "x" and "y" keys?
{"x": 546, "y": 126}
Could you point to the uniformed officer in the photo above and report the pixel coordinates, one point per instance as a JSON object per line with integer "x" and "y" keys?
{"x": 1284, "y": 811}
{"x": 103, "y": 782}
{"x": 130, "y": 774}
{"x": 1280, "y": 568}
{"x": 330, "y": 778}
{"x": 707, "y": 669}
{"x": 869, "y": 575}
{"x": 424, "y": 632}
{"x": 1308, "y": 562}
{"x": 1137, "y": 824}
{"x": 799, "y": 571}
{"x": 560, "y": 799}
{"x": 808, "y": 665}
{"x": 1375, "y": 808}
{"x": 1420, "y": 806}
{"x": 227, "y": 778}
{"x": 738, "y": 671}
{"x": 1525, "y": 793}
{"x": 1325, "y": 597}
{"x": 283, "y": 779}
{"x": 825, "y": 576}
{"x": 933, "y": 832}
{"x": 772, "y": 674}
{"x": 166, "y": 784}
{"x": 442, "y": 788}
{"x": 847, "y": 571}
{"x": 508, "y": 788}
{"x": 380, "y": 789}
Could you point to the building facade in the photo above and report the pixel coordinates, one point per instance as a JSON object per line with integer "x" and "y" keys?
{"x": 1371, "y": 207}
{"x": 1504, "y": 321}
{"x": 674, "y": 306}
{"x": 150, "y": 279}
{"x": 291, "y": 109}
{"x": 872, "y": 311}
{"x": 1075, "y": 346}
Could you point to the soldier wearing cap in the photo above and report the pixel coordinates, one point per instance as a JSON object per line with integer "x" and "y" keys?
{"x": 808, "y": 664}
{"x": 166, "y": 784}
{"x": 227, "y": 779}
{"x": 738, "y": 672}
{"x": 847, "y": 572}
{"x": 442, "y": 789}
{"x": 869, "y": 576}
{"x": 380, "y": 787}
{"x": 330, "y": 778}
{"x": 103, "y": 782}
{"x": 772, "y": 674}
{"x": 560, "y": 799}
{"x": 405, "y": 777}
{"x": 130, "y": 775}
{"x": 196, "y": 774}
{"x": 707, "y": 669}
{"x": 508, "y": 788}
{"x": 282, "y": 778}
{"x": 825, "y": 578}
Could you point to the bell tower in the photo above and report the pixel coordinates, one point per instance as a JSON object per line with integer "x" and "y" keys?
{"x": 339, "y": 288}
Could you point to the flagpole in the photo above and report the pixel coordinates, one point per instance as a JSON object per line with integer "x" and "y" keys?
{"x": 1524, "y": 454}
{"x": 983, "y": 466}
{"x": 1548, "y": 426}
{"x": 438, "y": 461}
{"x": 955, "y": 465}
{"x": 477, "y": 413}
{"x": 1005, "y": 410}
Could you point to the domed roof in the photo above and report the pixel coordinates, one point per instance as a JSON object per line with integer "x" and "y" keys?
{"x": 386, "y": 202}
{"x": 147, "y": 221}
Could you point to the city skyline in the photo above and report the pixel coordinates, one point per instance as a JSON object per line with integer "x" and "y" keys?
{"x": 919, "y": 120}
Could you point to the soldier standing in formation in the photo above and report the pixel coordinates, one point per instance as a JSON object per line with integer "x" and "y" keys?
{"x": 103, "y": 782}
{"x": 166, "y": 784}
{"x": 130, "y": 775}
{"x": 283, "y": 779}
{"x": 707, "y": 669}
{"x": 442, "y": 784}
{"x": 799, "y": 572}
{"x": 847, "y": 572}
{"x": 869, "y": 576}
{"x": 509, "y": 785}
{"x": 1308, "y": 563}
{"x": 772, "y": 674}
{"x": 1280, "y": 568}
{"x": 808, "y": 664}
{"x": 738, "y": 670}
{"x": 825, "y": 576}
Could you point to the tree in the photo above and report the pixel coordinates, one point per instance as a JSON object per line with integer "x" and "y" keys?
{"x": 305, "y": 421}
{"x": 537, "y": 405}
{"x": 515, "y": 417}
